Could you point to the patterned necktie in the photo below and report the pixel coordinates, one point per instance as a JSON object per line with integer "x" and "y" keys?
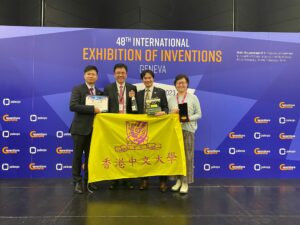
{"x": 92, "y": 91}
{"x": 147, "y": 97}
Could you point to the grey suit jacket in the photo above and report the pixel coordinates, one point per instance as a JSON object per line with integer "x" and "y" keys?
{"x": 82, "y": 123}
{"x": 157, "y": 93}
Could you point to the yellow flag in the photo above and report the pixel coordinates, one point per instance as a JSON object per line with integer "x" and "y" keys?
{"x": 130, "y": 145}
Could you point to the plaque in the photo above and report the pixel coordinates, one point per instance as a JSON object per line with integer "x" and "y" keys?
{"x": 183, "y": 112}
{"x": 152, "y": 106}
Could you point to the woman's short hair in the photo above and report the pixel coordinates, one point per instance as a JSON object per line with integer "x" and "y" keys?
{"x": 180, "y": 76}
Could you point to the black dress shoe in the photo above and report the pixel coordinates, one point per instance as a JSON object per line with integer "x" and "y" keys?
{"x": 90, "y": 187}
{"x": 163, "y": 187}
{"x": 93, "y": 187}
{"x": 144, "y": 184}
{"x": 114, "y": 185}
{"x": 128, "y": 184}
{"x": 78, "y": 188}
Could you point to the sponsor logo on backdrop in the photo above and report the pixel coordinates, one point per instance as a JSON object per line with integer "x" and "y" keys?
{"x": 33, "y": 166}
{"x": 34, "y": 150}
{"x": 259, "y": 120}
{"x": 60, "y": 167}
{"x": 6, "y": 167}
{"x": 209, "y": 167}
{"x": 258, "y": 135}
{"x": 6, "y": 150}
{"x": 7, "y": 118}
{"x": 233, "y": 151}
{"x": 7, "y": 101}
{"x": 232, "y": 166}
{"x": 284, "y": 136}
{"x": 284, "y": 120}
{"x": 61, "y": 151}
{"x": 8, "y": 134}
{"x": 259, "y": 167}
{"x": 284, "y": 167}
{"x": 208, "y": 151}
{"x": 258, "y": 151}
{"x": 34, "y": 134}
{"x": 61, "y": 134}
{"x": 35, "y": 118}
{"x": 284, "y": 105}
{"x": 283, "y": 151}
{"x": 233, "y": 135}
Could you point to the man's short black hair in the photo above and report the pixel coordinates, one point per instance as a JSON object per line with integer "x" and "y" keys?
{"x": 120, "y": 65}
{"x": 143, "y": 73}
{"x": 180, "y": 76}
{"x": 90, "y": 67}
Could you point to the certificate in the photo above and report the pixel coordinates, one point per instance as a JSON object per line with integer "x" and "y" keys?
{"x": 100, "y": 102}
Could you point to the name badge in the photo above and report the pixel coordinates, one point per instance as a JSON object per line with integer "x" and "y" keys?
{"x": 121, "y": 108}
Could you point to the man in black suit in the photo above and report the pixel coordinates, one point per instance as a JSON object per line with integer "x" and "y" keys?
{"x": 82, "y": 126}
{"x": 151, "y": 92}
{"x": 119, "y": 93}
{"x": 119, "y": 101}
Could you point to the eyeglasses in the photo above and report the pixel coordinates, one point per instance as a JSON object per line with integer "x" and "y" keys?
{"x": 120, "y": 73}
{"x": 181, "y": 83}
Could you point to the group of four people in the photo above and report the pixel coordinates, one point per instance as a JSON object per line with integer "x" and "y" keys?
{"x": 119, "y": 95}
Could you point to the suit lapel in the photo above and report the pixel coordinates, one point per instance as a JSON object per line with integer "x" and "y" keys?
{"x": 127, "y": 92}
{"x": 154, "y": 93}
{"x": 98, "y": 92}
{"x": 115, "y": 93}
{"x": 85, "y": 89}
{"x": 143, "y": 98}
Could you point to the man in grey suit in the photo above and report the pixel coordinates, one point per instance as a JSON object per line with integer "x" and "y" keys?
{"x": 82, "y": 127}
{"x": 151, "y": 92}
{"x": 119, "y": 101}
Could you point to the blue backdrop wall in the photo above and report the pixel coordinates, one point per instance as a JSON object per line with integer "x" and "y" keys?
{"x": 247, "y": 84}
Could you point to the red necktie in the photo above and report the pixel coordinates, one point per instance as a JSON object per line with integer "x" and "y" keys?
{"x": 92, "y": 91}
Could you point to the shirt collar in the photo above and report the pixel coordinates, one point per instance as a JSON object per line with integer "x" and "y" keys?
{"x": 90, "y": 86}
{"x": 151, "y": 89}
{"x": 118, "y": 85}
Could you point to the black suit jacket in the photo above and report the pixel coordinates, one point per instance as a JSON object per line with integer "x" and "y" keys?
{"x": 111, "y": 91}
{"x": 82, "y": 123}
{"x": 157, "y": 93}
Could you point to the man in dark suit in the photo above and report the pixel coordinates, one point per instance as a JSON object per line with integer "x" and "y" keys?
{"x": 119, "y": 101}
{"x": 119, "y": 93}
{"x": 151, "y": 92}
{"x": 82, "y": 127}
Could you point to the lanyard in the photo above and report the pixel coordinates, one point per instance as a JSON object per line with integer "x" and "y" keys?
{"x": 120, "y": 96}
{"x": 184, "y": 97}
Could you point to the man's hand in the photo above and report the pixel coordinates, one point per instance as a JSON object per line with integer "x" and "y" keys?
{"x": 96, "y": 110}
{"x": 161, "y": 113}
{"x": 175, "y": 111}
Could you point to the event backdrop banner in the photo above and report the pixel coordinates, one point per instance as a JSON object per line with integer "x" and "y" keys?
{"x": 247, "y": 84}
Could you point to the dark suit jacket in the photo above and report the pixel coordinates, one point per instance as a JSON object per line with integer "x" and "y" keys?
{"x": 111, "y": 91}
{"x": 84, "y": 115}
{"x": 157, "y": 93}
